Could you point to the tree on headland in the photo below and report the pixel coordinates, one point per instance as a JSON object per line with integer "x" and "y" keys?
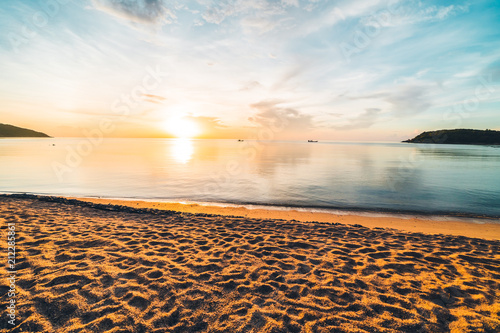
{"x": 458, "y": 136}
{"x": 9, "y": 131}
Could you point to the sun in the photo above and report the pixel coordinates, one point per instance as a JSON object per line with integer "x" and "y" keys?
{"x": 182, "y": 128}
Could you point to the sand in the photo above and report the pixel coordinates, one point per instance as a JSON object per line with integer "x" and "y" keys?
{"x": 478, "y": 228}
{"x": 85, "y": 267}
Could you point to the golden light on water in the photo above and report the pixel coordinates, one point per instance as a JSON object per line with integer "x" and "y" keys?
{"x": 182, "y": 150}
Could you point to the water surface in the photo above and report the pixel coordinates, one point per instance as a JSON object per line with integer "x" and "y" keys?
{"x": 392, "y": 177}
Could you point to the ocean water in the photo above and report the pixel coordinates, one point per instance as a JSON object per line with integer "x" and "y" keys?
{"x": 382, "y": 177}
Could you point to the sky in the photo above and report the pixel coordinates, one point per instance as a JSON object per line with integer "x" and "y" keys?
{"x": 346, "y": 70}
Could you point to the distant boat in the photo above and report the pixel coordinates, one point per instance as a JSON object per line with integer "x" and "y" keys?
{"x": 312, "y": 140}
{"x": 239, "y": 140}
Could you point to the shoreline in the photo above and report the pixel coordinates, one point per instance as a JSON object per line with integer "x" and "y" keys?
{"x": 486, "y": 229}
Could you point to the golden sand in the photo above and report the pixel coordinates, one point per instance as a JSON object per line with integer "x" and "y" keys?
{"x": 98, "y": 268}
{"x": 487, "y": 229}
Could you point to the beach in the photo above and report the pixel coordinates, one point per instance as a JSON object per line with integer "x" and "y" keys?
{"x": 125, "y": 266}
{"x": 476, "y": 228}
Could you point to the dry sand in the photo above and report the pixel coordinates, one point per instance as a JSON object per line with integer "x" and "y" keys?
{"x": 86, "y": 267}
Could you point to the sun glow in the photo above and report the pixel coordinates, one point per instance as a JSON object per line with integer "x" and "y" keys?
{"x": 182, "y": 128}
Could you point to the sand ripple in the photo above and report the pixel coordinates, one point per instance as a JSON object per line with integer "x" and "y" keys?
{"x": 86, "y": 268}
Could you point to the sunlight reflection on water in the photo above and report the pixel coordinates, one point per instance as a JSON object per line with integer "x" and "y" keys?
{"x": 182, "y": 150}
{"x": 371, "y": 176}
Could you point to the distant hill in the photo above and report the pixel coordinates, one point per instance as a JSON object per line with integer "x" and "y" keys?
{"x": 9, "y": 131}
{"x": 459, "y": 136}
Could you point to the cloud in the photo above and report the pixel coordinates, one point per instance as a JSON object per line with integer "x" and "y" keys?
{"x": 409, "y": 100}
{"x": 293, "y": 3}
{"x": 273, "y": 116}
{"x": 208, "y": 123}
{"x": 260, "y": 24}
{"x": 154, "y": 98}
{"x": 261, "y": 51}
{"x": 252, "y": 9}
{"x": 364, "y": 120}
{"x": 251, "y": 85}
{"x": 218, "y": 13}
{"x": 336, "y": 13}
{"x": 405, "y": 14}
{"x": 289, "y": 76}
{"x": 213, "y": 128}
{"x": 405, "y": 101}
{"x": 438, "y": 13}
{"x": 138, "y": 11}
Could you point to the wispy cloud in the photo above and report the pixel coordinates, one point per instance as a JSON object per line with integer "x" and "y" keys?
{"x": 411, "y": 14}
{"x": 271, "y": 114}
{"x": 403, "y": 101}
{"x": 139, "y": 11}
{"x": 218, "y": 11}
{"x": 262, "y": 25}
{"x": 364, "y": 120}
{"x": 409, "y": 100}
{"x": 220, "y": 57}
{"x": 154, "y": 98}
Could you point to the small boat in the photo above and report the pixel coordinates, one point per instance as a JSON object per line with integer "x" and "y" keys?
{"x": 239, "y": 140}
{"x": 312, "y": 140}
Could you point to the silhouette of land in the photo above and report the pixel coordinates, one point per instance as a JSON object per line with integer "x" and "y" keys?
{"x": 9, "y": 131}
{"x": 459, "y": 136}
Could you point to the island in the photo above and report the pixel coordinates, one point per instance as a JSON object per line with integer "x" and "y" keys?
{"x": 9, "y": 131}
{"x": 459, "y": 137}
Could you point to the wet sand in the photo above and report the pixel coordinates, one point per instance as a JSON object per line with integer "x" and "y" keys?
{"x": 481, "y": 228}
{"x": 87, "y": 267}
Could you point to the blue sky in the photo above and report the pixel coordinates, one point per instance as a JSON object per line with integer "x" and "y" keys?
{"x": 330, "y": 70}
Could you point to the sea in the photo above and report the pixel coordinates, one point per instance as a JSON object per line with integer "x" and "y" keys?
{"x": 364, "y": 177}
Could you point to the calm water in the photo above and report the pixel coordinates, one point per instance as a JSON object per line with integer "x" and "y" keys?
{"x": 444, "y": 179}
